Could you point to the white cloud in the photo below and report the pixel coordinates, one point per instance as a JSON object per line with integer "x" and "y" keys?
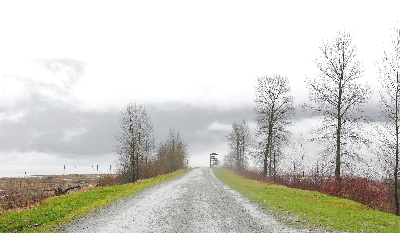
{"x": 35, "y": 158}
{"x": 29, "y": 85}
{"x": 31, "y": 158}
{"x": 217, "y": 126}
{"x": 73, "y": 134}
{"x": 13, "y": 117}
{"x": 175, "y": 54}
{"x": 225, "y": 127}
{"x": 11, "y": 90}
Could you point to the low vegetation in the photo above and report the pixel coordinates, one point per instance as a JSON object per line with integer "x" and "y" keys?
{"x": 49, "y": 215}
{"x": 377, "y": 195}
{"x": 310, "y": 208}
{"x": 374, "y": 194}
{"x": 21, "y": 192}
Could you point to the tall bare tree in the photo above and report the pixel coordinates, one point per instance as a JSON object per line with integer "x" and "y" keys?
{"x": 134, "y": 142}
{"x": 337, "y": 96}
{"x": 274, "y": 109}
{"x": 239, "y": 140}
{"x": 389, "y": 78}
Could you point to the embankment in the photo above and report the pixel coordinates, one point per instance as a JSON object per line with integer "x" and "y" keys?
{"x": 312, "y": 209}
{"x": 52, "y": 213}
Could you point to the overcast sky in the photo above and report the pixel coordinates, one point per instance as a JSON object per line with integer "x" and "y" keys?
{"x": 68, "y": 68}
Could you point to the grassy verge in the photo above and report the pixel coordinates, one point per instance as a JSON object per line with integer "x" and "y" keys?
{"x": 50, "y": 214}
{"x": 312, "y": 209}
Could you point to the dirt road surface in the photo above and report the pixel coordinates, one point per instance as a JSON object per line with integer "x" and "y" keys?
{"x": 195, "y": 202}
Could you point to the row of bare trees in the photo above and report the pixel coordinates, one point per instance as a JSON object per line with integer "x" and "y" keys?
{"x": 274, "y": 108}
{"x": 337, "y": 97}
{"x": 138, "y": 157}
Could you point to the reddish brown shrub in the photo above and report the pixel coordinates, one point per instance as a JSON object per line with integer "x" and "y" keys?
{"x": 372, "y": 193}
{"x": 253, "y": 175}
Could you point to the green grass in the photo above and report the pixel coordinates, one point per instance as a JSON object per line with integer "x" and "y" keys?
{"x": 52, "y": 213}
{"x": 312, "y": 209}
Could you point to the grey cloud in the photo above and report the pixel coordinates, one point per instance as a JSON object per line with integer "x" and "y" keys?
{"x": 66, "y": 132}
{"x": 44, "y": 130}
{"x": 371, "y": 110}
{"x": 91, "y": 133}
{"x": 193, "y": 122}
{"x": 41, "y": 94}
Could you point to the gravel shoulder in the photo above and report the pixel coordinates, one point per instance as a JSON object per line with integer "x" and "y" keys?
{"x": 195, "y": 202}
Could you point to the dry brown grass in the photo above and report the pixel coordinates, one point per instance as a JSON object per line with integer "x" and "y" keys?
{"x": 25, "y": 192}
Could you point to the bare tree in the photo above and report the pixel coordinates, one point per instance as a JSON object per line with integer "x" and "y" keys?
{"x": 134, "y": 142}
{"x": 229, "y": 159}
{"x": 239, "y": 140}
{"x": 280, "y": 140}
{"x": 274, "y": 109}
{"x": 298, "y": 157}
{"x": 389, "y": 78}
{"x": 173, "y": 153}
{"x": 337, "y": 96}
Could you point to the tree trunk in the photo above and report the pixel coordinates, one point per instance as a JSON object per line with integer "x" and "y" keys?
{"x": 274, "y": 168}
{"x": 265, "y": 164}
{"x": 270, "y": 164}
{"x": 132, "y": 157}
{"x": 338, "y": 131}
{"x": 242, "y": 154}
{"x": 396, "y": 168}
{"x": 137, "y": 160}
{"x": 269, "y": 140}
{"x": 238, "y": 153}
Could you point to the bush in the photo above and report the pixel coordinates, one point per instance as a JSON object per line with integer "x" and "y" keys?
{"x": 106, "y": 180}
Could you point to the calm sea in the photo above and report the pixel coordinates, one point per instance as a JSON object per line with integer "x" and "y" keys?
{"x": 23, "y": 171}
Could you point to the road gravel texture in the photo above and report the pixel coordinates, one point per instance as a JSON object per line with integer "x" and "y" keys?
{"x": 195, "y": 202}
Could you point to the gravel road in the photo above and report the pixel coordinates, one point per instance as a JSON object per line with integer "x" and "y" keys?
{"x": 195, "y": 202}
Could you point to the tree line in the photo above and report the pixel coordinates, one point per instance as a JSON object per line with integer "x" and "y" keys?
{"x": 137, "y": 155}
{"x": 337, "y": 97}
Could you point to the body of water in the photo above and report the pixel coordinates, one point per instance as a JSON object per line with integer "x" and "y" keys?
{"x": 24, "y": 171}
